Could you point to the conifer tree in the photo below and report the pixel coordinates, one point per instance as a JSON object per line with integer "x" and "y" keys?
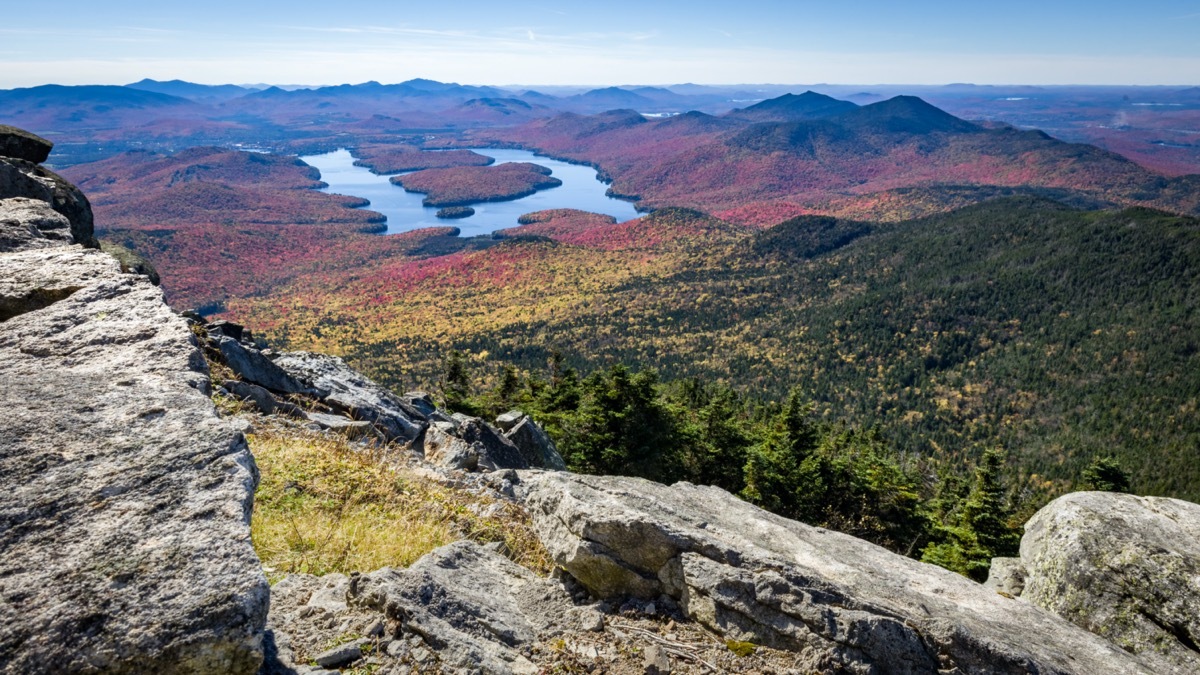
{"x": 1107, "y": 475}
{"x": 980, "y": 530}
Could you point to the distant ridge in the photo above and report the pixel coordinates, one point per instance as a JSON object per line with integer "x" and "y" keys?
{"x": 794, "y": 108}
{"x": 90, "y": 94}
{"x": 867, "y": 129}
{"x": 612, "y": 98}
{"x": 190, "y": 90}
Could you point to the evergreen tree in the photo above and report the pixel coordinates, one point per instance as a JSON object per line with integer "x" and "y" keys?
{"x": 505, "y": 397}
{"x": 981, "y": 530}
{"x": 456, "y": 384}
{"x": 782, "y": 474}
{"x": 1105, "y": 474}
{"x": 622, "y": 428}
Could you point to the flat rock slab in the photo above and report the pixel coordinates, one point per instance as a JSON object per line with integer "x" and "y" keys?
{"x": 1124, "y": 567}
{"x": 844, "y": 604}
{"x": 124, "y": 499}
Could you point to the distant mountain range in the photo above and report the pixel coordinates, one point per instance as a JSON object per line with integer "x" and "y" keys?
{"x": 811, "y": 153}
{"x": 1147, "y": 124}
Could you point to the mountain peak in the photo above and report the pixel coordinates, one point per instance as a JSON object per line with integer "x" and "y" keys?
{"x": 906, "y": 114}
{"x": 794, "y": 107}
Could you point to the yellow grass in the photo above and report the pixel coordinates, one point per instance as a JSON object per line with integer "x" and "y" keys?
{"x": 324, "y": 505}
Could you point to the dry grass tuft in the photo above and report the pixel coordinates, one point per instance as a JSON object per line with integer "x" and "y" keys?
{"x": 324, "y": 505}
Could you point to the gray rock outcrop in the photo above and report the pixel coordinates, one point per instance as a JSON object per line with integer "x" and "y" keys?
{"x": 20, "y": 178}
{"x": 842, "y": 603}
{"x": 252, "y": 366}
{"x": 349, "y": 392}
{"x": 1124, "y": 567}
{"x": 1006, "y": 576}
{"x": 535, "y": 444}
{"x": 21, "y": 144}
{"x": 475, "y": 607}
{"x": 441, "y": 447}
{"x": 262, "y": 399}
{"x": 28, "y": 224}
{"x": 494, "y": 450}
{"x": 124, "y": 499}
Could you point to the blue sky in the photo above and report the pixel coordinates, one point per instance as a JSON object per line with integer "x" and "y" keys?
{"x": 600, "y": 43}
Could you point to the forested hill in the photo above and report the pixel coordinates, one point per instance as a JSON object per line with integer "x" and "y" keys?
{"x": 1056, "y": 334}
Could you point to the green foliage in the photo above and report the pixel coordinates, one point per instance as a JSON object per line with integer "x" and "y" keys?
{"x": 1106, "y": 474}
{"x": 742, "y": 649}
{"x": 979, "y": 529}
{"x": 780, "y": 457}
{"x": 456, "y": 385}
{"x": 1018, "y": 323}
{"x": 841, "y": 478}
{"x": 622, "y": 427}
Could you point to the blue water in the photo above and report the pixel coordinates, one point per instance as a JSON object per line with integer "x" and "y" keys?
{"x": 580, "y": 190}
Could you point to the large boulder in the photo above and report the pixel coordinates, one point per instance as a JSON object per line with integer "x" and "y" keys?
{"x": 441, "y": 447}
{"x": 844, "y": 604}
{"x": 21, "y": 144}
{"x": 19, "y": 178}
{"x": 494, "y": 450}
{"x": 1124, "y": 567}
{"x": 251, "y": 365}
{"x": 348, "y": 391}
{"x": 124, "y": 498}
{"x": 28, "y": 223}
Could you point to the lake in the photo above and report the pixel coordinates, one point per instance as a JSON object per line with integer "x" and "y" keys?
{"x": 581, "y": 189}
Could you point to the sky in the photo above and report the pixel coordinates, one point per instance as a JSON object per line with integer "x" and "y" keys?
{"x": 503, "y": 42}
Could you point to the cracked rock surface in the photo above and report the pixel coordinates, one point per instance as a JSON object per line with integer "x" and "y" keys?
{"x": 124, "y": 499}
{"x": 844, "y": 604}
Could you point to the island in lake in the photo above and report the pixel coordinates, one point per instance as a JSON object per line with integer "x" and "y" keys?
{"x": 455, "y": 212}
{"x": 460, "y": 186}
{"x": 385, "y": 159}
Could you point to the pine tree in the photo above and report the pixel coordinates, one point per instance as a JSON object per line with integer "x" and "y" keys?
{"x": 981, "y": 529}
{"x": 1105, "y": 474}
{"x": 456, "y": 384}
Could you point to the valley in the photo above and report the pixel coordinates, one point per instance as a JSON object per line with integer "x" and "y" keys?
{"x": 956, "y": 284}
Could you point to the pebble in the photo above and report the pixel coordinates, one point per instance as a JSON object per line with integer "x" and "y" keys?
{"x": 591, "y": 620}
{"x": 657, "y": 661}
{"x": 342, "y": 655}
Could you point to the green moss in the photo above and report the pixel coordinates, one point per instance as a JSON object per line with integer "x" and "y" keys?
{"x": 742, "y": 649}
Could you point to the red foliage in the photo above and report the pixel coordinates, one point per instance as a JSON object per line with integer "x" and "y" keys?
{"x": 561, "y": 224}
{"x": 465, "y": 185}
{"x": 817, "y": 165}
{"x": 386, "y": 159}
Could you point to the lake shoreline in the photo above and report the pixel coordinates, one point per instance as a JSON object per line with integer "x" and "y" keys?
{"x": 582, "y": 189}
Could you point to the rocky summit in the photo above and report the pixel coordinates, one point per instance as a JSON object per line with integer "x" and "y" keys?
{"x": 21, "y": 175}
{"x": 126, "y": 498}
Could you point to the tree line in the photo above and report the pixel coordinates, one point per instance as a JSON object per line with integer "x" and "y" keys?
{"x": 777, "y": 454}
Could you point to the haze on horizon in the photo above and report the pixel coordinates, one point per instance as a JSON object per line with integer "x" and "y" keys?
{"x": 616, "y": 42}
